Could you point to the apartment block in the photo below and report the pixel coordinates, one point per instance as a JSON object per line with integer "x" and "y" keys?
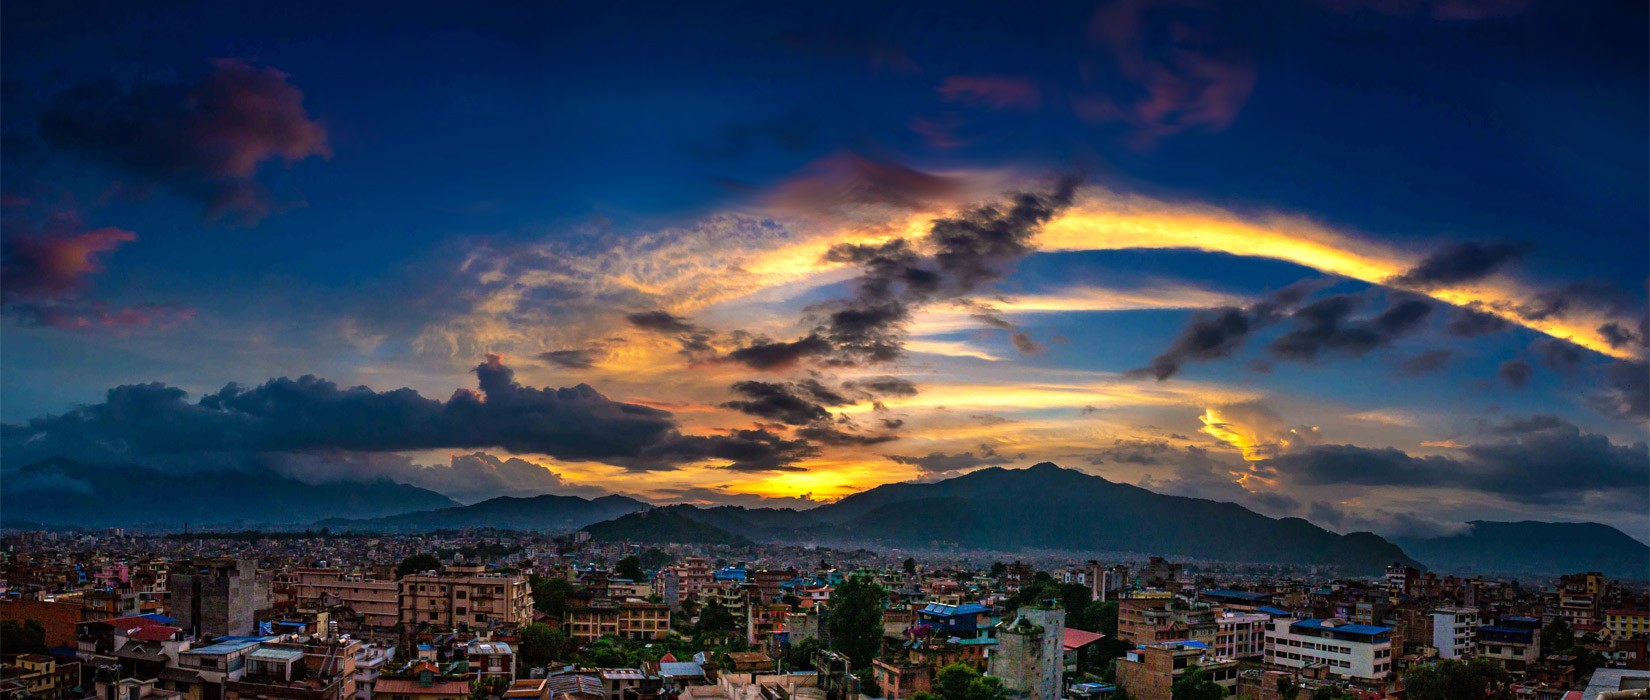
{"x": 1150, "y": 672}
{"x": 629, "y": 619}
{"x": 1362, "y": 652}
{"x": 218, "y": 597}
{"x": 376, "y": 604}
{"x": 465, "y": 596}
{"x": 1455, "y": 632}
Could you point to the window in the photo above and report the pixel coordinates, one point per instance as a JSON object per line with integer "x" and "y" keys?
{"x": 461, "y": 594}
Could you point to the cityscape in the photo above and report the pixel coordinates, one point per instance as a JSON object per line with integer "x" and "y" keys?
{"x": 851, "y": 350}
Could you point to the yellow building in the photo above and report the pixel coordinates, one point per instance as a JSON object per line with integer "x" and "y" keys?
{"x": 1626, "y": 624}
{"x": 630, "y": 619}
{"x": 36, "y": 675}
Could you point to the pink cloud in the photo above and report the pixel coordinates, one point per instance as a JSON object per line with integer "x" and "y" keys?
{"x": 994, "y": 91}
{"x": 54, "y": 266}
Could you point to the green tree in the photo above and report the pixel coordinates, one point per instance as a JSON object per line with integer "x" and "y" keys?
{"x": 630, "y": 568}
{"x": 550, "y": 595}
{"x": 715, "y": 619}
{"x": 417, "y": 563}
{"x": 1450, "y": 679}
{"x": 1288, "y": 690}
{"x": 27, "y": 638}
{"x": 1195, "y": 684}
{"x": 800, "y": 656}
{"x": 1329, "y": 692}
{"x": 910, "y": 565}
{"x": 1557, "y": 636}
{"x": 855, "y": 621}
{"x": 959, "y": 681}
{"x": 541, "y": 644}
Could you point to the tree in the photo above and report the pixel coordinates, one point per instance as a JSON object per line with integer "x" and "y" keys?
{"x": 1450, "y": 678}
{"x": 1287, "y": 689}
{"x": 1329, "y": 692}
{"x": 27, "y": 638}
{"x": 855, "y": 622}
{"x": 1195, "y": 684}
{"x": 800, "y": 656}
{"x": 910, "y": 565}
{"x": 715, "y": 619}
{"x": 541, "y": 644}
{"x": 550, "y": 595}
{"x": 630, "y": 568}
{"x": 417, "y": 563}
{"x": 959, "y": 681}
{"x": 1556, "y": 636}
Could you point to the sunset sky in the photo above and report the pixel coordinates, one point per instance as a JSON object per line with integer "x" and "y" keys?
{"x": 1381, "y": 264}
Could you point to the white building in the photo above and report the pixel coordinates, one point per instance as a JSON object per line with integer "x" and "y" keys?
{"x": 1240, "y": 635}
{"x": 1455, "y": 632}
{"x": 1353, "y": 651}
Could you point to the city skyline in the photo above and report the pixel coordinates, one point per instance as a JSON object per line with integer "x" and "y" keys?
{"x": 1379, "y": 265}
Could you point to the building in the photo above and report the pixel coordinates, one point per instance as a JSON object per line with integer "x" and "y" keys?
{"x": 1165, "y": 618}
{"x": 1362, "y": 652}
{"x": 375, "y": 603}
{"x": 628, "y": 619}
{"x": 1455, "y": 632}
{"x": 491, "y": 660}
{"x": 465, "y": 597}
{"x": 1030, "y": 654}
{"x": 901, "y": 678}
{"x": 1622, "y": 623}
{"x": 290, "y": 672}
{"x": 1578, "y": 597}
{"x": 41, "y": 677}
{"x": 1150, "y": 672}
{"x": 218, "y": 597}
{"x": 58, "y": 618}
{"x": 954, "y": 620}
{"x": 426, "y": 683}
{"x": 1399, "y": 578}
{"x": 1240, "y": 635}
{"x": 1515, "y": 642}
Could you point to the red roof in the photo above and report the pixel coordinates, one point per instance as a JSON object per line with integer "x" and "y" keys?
{"x": 410, "y": 686}
{"x": 142, "y": 628}
{"x": 1077, "y": 639}
{"x": 668, "y": 658}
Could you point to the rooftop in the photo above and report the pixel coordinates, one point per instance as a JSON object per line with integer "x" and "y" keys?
{"x": 1319, "y": 624}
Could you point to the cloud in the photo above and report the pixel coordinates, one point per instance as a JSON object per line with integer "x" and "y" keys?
{"x": 1025, "y": 344}
{"x": 1195, "y": 472}
{"x": 660, "y": 321}
{"x": 1159, "y": 88}
{"x": 959, "y": 255}
{"x": 1557, "y": 355}
{"x": 994, "y": 91}
{"x": 1516, "y": 373}
{"x": 576, "y": 358}
{"x": 1538, "y": 462}
{"x": 45, "y": 271}
{"x": 1255, "y": 430}
{"x": 1219, "y": 333}
{"x": 1459, "y": 263}
{"x": 1467, "y": 322}
{"x": 1326, "y": 326}
{"x": 847, "y": 181}
{"x": 1626, "y": 390}
{"x": 1424, "y": 362}
{"x": 882, "y": 386}
{"x": 204, "y": 141}
{"x": 1381, "y": 521}
{"x": 467, "y": 478}
{"x": 713, "y": 496}
{"x": 940, "y": 462}
{"x": 789, "y": 403}
{"x": 155, "y": 422}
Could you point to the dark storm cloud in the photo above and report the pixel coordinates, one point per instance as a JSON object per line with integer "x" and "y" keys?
{"x": 1558, "y": 355}
{"x": 1516, "y": 373}
{"x": 660, "y": 321}
{"x": 1218, "y": 333}
{"x": 1471, "y": 323}
{"x": 970, "y": 250}
{"x": 156, "y": 423}
{"x": 579, "y": 358}
{"x": 1459, "y": 263}
{"x": 1326, "y": 326}
{"x": 1539, "y": 462}
{"x": 882, "y": 386}
{"x": 1424, "y": 362}
{"x": 1625, "y": 391}
{"x": 778, "y": 401}
{"x": 1619, "y": 336}
{"x": 940, "y": 462}
{"x": 1584, "y": 295}
{"x": 203, "y": 141}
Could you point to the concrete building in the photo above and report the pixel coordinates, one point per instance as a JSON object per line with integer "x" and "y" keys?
{"x": 1165, "y": 618}
{"x": 1030, "y": 653}
{"x": 1150, "y": 672}
{"x": 1622, "y": 623}
{"x": 1352, "y": 651}
{"x": 1455, "y": 632}
{"x": 491, "y": 660}
{"x": 467, "y": 597}
{"x": 376, "y": 603}
{"x": 41, "y": 677}
{"x": 218, "y": 597}
{"x": 1514, "y": 642}
{"x": 628, "y": 619}
{"x": 1240, "y": 635}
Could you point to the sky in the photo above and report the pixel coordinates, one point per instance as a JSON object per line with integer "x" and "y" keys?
{"x": 1381, "y": 264}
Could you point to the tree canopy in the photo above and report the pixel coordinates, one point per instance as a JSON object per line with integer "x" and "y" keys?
{"x": 1450, "y": 679}
{"x": 630, "y": 568}
{"x": 417, "y": 563}
{"x": 855, "y": 622}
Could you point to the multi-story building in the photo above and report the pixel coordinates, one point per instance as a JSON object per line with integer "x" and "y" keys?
{"x": 491, "y": 660}
{"x": 41, "y": 677}
{"x": 1030, "y": 653}
{"x": 1399, "y": 578}
{"x": 1240, "y": 635}
{"x": 425, "y": 683}
{"x": 1514, "y": 642}
{"x": 628, "y": 619}
{"x": 1149, "y": 672}
{"x": 1353, "y": 651}
{"x": 376, "y": 604}
{"x": 1165, "y": 618}
{"x": 1578, "y": 598}
{"x": 465, "y": 596}
{"x": 218, "y": 597}
{"x": 1624, "y": 623}
{"x": 1455, "y": 632}
{"x": 279, "y": 671}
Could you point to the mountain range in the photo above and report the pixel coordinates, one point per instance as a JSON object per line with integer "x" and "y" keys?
{"x": 62, "y": 493}
{"x": 1041, "y": 507}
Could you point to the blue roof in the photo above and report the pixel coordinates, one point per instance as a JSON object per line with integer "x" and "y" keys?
{"x": 1272, "y": 610}
{"x": 227, "y": 645}
{"x": 1189, "y": 643}
{"x": 680, "y": 668}
{"x": 157, "y": 617}
{"x": 943, "y": 610}
{"x": 1241, "y": 595}
{"x": 1522, "y": 619}
{"x": 1317, "y": 624}
{"x": 425, "y": 647}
